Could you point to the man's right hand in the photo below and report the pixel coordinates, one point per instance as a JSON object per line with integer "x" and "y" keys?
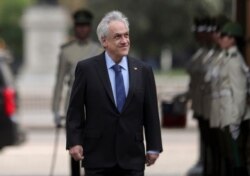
{"x": 76, "y": 152}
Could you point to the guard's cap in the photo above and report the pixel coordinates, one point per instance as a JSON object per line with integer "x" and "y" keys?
{"x": 203, "y": 24}
{"x": 232, "y": 29}
{"x": 220, "y": 21}
{"x": 83, "y": 16}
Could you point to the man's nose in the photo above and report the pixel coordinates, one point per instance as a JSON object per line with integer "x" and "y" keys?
{"x": 124, "y": 39}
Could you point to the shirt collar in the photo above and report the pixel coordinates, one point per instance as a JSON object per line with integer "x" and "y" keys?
{"x": 232, "y": 49}
{"x": 110, "y": 63}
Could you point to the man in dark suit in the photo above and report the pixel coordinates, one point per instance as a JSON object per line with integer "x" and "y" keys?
{"x": 113, "y": 101}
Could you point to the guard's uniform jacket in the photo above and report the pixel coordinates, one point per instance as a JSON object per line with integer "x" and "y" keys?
{"x": 211, "y": 79}
{"x": 208, "y": 61}
{"x": 195, "y": 89}
{"x": 70, "y": 54}
{"x": 232, "y": 88}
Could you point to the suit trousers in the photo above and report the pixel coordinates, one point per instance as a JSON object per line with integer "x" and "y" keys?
{"x": 113, "y": 171}
{"x": 234, "y": 162}
{"x": 75, "y": 167}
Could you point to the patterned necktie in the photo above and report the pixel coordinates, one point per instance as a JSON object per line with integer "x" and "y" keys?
{"x": 119, "y": 87}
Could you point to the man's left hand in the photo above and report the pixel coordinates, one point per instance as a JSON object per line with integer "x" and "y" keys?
{"x": 151, "y": 158}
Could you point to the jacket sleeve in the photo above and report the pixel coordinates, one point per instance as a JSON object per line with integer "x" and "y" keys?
{"x": 62, "y": 70}
{"x": 76, "y": 113}
{"x": 151, "y": 115}
{"x": 237, "y": 81}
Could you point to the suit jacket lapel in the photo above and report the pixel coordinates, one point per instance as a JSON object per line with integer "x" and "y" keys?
{"x": 132, "y": 81}
{"x": 102, "y": 71}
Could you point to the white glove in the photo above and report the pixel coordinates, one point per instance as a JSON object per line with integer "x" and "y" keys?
{"x": 57, "y": 119}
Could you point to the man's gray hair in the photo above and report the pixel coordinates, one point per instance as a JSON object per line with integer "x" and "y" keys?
{"x": 102, "y": 28}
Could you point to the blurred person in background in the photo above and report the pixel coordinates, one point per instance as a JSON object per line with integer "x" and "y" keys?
{"x": 80, "y": 48}
{"x": 210, "y": 66}
{"x": 232, "y": 95}
{"x": 4, "y": 52}
{"x": 195, "y": 69}
{"x": 113, "y": 105}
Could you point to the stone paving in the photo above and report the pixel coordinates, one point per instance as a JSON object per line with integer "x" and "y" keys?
{"x": 33, "y": 158}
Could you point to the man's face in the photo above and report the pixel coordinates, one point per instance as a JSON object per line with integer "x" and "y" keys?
{"x": 82, "y": 31}
{"x": 226, "y": 41}
{"x": 117, "y": 41}
{"x": 216, "y": 37}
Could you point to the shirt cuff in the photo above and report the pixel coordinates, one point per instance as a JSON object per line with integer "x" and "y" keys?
{"x": 153, "y": 152}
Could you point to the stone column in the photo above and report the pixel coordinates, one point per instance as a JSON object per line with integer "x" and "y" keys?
{"x": 45, "y": 29}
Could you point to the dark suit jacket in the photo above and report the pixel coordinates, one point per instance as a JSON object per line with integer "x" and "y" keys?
{"x": 109, "y": 137}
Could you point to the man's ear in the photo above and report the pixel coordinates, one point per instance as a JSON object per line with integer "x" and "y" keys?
{"x": 104, "y": 41}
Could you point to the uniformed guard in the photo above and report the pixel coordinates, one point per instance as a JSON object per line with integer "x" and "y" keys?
{"x": 195, "y": 70}
{"x": 81, "y": 47}
{"x": 231, "y": 93}
{"x": 211, "y": 62}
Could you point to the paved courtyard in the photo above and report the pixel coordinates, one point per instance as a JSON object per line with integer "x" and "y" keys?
{"x": 34, "y": 157}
